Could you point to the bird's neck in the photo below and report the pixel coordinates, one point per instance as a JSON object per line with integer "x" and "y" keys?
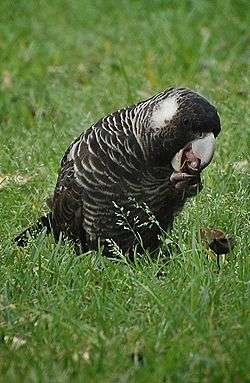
{"x": 157, "y": 154}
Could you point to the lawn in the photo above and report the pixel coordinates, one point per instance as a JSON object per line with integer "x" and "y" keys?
{"x": 65, "y": 64}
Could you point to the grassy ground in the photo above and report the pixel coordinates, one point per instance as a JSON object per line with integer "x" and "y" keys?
{"x": 63, "y": 65}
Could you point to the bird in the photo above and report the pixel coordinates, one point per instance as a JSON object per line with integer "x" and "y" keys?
{"x": 127, "y": 176}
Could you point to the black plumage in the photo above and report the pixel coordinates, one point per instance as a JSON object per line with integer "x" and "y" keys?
{"x": 121, "y": 168}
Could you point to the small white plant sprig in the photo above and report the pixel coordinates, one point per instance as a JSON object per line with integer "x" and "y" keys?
{"x": 133, "y": 224}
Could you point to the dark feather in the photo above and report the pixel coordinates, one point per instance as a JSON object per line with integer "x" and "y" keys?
{"x": 43, "y": 223}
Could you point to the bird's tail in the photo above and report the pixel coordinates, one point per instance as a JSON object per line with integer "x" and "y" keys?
{"x": 44, "y": 222}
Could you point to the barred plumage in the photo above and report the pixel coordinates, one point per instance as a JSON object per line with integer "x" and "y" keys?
{"x": 124, "y": 160}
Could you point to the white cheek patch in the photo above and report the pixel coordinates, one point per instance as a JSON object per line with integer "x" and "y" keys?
{"x": 164, "y": 112}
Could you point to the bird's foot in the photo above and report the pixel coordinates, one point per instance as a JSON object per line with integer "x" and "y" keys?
{"x": 189, "y": 184}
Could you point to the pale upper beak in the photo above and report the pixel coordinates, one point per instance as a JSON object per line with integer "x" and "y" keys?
{"x": 203, "y": 148}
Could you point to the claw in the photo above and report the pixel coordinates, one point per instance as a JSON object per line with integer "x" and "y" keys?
{"x": 178, "y": 177}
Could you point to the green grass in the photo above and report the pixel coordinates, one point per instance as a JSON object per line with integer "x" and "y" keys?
{"x": 63, "y": 65}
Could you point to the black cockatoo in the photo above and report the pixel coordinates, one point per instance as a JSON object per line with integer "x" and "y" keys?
{"x": 145, "y": 157}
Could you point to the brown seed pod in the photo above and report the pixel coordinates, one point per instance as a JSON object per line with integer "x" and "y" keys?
{"x": 190, "y": 164}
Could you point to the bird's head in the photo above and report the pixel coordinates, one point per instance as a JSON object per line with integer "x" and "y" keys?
{"x": 184, "y": 126}
{"x": 181, "y": 116}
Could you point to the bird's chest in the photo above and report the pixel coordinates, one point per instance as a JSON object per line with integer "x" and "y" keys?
{"x": 152, "y": 198}
{"x": 128, "y": 203}
{"x": 156, "y": 190}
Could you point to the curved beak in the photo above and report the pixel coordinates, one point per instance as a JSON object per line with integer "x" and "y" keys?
{"x": 202, "y": 150}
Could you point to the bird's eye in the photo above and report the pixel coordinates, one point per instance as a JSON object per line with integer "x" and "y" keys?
{"x": 186, "y": 122}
